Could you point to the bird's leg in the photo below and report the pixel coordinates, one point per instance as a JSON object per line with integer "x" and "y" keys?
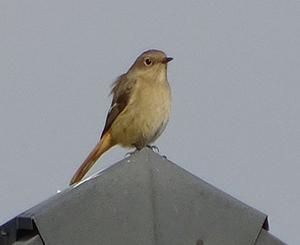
{"x": 128, "y": 154}
{"x": 153, "y": 148}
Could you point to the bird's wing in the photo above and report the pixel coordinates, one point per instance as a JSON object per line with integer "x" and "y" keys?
{"x": 121, "y": 93}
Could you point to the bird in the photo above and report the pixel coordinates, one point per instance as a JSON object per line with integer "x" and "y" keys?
{"x": 139, "y": 111}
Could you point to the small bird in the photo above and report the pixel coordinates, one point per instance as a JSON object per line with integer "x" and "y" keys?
{"x": 139, "y": 111}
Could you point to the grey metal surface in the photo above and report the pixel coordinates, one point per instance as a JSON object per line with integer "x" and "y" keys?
{"x": 146, "y": 199}
{"x": 18, "y": 226}
{"x": 265, "y": 238}
{"x": 36, "y": 240}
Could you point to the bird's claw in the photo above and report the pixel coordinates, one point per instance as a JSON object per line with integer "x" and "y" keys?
{"x": 128, "y": 154}
{"x": 153, "y": 148}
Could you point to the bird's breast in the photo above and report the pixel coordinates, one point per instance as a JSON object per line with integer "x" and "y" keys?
{"x": 145, "y": 117}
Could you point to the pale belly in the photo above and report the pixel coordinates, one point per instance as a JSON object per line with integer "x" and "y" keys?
{"x": 143, "y": 120}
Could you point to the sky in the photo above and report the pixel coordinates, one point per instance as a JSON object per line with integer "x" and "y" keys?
{"x": 235, "y": 83}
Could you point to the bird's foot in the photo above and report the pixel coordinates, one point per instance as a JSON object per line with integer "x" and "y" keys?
{"x": 153, "y": 148}
{"x": 128, "y": 154}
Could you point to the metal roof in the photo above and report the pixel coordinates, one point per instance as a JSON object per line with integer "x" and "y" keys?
{"x": 144, "y": 199}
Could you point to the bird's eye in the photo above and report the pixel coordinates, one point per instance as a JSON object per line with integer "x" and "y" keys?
{"x": 148, "y": 62}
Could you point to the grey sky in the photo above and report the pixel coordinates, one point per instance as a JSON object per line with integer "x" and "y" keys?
{"x": 235, "y": 82}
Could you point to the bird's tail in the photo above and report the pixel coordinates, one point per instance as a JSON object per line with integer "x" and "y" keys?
{"x": 102, "y": 146}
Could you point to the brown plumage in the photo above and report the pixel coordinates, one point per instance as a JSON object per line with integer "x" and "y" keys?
{"x": 139, "y": 111}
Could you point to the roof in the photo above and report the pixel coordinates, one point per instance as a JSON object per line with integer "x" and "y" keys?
{"x": 144, "y": 199}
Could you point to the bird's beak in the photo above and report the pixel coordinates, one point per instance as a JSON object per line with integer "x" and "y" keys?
{"x": 166, "y": 60}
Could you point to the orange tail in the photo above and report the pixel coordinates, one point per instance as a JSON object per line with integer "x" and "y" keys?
{"x": 102, "y": 146}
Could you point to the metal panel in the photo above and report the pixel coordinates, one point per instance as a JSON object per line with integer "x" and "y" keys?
{"x": 265, "y": 238}
{"x": 36, "y": 240}
{"x": 17, "y": 227}
{"x": 115, "y": 208}
{"x": 145, "y": 199}
{"x": 189, "y": 210}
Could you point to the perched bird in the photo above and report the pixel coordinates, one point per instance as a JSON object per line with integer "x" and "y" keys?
{"x": 139, "y": 111}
